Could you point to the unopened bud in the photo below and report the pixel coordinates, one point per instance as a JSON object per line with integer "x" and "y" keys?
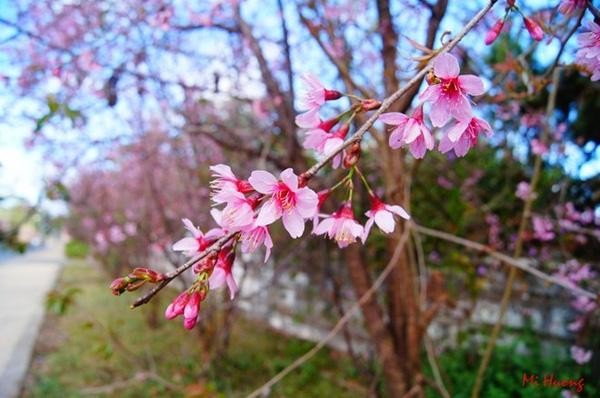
{"x": 534, "y": 29}
{"x": 494, "y": 32}
{"x": 331, "y": 95}
{"x": 352, "y": 155}
{"x": 206, "y": 264}
{"x": 370, "y": 104}
{"x": 119, "y": 285}
{"x": 146, "y": 274}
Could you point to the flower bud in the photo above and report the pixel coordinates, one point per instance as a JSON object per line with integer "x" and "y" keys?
{"x": 494, "y": 32}
{"x": 352, "y": 155}
{"x": 370, "y": 104}
{"x": 331, "y": 95}
{"x": 534, "y": 29}
{"x": 119, "y": 285}
{"x": 146, "y": 274}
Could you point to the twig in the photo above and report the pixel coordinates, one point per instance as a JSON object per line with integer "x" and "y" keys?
{"x": 508, "y": 260}
{"x": 435, "y": 369}
{"x": 340, "y": 324}
{"x": 213, "y": 249}
{"x": 595, "y": 12}
{"x": 357, "y": 136}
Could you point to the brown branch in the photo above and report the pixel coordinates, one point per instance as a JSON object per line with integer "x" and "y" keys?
{"x": 338, "y": 326}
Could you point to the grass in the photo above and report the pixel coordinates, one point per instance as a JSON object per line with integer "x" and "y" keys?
{"x": 99, "y": 347}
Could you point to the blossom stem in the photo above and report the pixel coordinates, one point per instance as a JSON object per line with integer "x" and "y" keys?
{"x": 364, "y": 180}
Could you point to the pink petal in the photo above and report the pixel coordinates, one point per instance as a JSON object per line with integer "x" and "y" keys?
{"x": 214, "y": 233}
{"x": 332, "y": 144}
{"x": 457, "y": 131}
{"x": 186, "y": 244}
{"x": 263, "y": 181}
{"x": 393, "y": 118}
{"x": 308, "y": 119}
{"x": 439, "y": 114}
{"x": 268, "y": 246}
{"x": 290, "y": 179}
{"x": 368, "y": 226}
{"x": 461, "y": 108}
{"x": 268, "y": 214}
{"x": 216, "y": 215}
{"x": 462, "y": 146}
{"x": 324, "y": 226}
{"x": 217, "y": 278}
{"x": 306, "y": 202}
{"x": 397, "y": 137}
{"x": 315, "y": 139}
{"x": 445, "y": 144}
{"x": 471, "y": 84}
{"x": 418, "y": 148}
{"x": 446, "y": 66}
{"x": 427, "y": 137}
{"x": 431, "y": 93}
{"x": 385, "y": 221}
{"x": 190, "y": 227}
{"x": 293, "y": 223}
{"x": 312, "y": 81}
{"x": 413, "y": 130}
{"x": 399, "y": 210}
{"x": 223, "y": 170}
{"x": 233, "y": 288}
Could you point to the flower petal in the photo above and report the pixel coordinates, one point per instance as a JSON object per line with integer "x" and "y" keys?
{"x": 456, "y": 131}
{"x": 471, "y": 84}
{"x": 393, "y": 118}
{"x": 446, "y": 66}
{"x": 308, "y": 119}
{"x": 268, "y": 214}
{"x": 385, "y": 221}
{"x": 186, "y": 244}
{"x": 399, "y": 210}
{"x": 293, "y": 223}
{"x": 290, "y": 179}
{"x": 263, "y": 181}
{"x": 306, "y": 202}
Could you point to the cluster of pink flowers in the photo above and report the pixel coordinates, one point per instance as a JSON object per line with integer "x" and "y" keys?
{"x": 534, "y": 28}
{"x": 448, "y": 94}
{"x": 588, "y": 55}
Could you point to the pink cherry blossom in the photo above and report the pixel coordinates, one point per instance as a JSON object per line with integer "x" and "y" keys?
{"x": 464, "y": 136}
{"x": 567, "y": 7}
{"x": 534, "y": 29}
{"x": 588, "y": 55}
{"x": 580, "y": 355}
{"x": 325, "y": 143}
{"x": 186, "y": 304}
{"x": 577, "y": 324}
{"x": 314, "y": 97}
{"x": 583, "y": 304}
{"x": 225, "y": 184}
{"x": 254, "y": 236}
{"x": 538, "y": 147}
{"x": 494, "y": 32}
{"x": 542, "y": 228}
{"x": 341, "y": 226}
{"x": 239, "y": 211}
{"x": 409, "y": 131}
{"x": 222, "y": 274}
{"x": 176, "y": 307}
{"x": 286, "y": 200}
{"x": 523, "y": 190}
{"x": 449, "y": 97}
{"x": 383, "y": 215}
{"x": 199, "y": 241}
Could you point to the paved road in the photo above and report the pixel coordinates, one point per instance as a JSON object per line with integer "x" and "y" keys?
{"x": 24, "y": 282}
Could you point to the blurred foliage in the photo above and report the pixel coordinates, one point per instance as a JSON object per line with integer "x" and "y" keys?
{"x": 76, "y": 249}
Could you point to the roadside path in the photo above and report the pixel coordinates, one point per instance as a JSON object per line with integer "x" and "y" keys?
{"x": 24, "y": 282}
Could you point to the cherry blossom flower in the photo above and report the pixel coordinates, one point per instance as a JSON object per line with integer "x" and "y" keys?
{"x": 254, "y": 236}
{"x": 448, "y": 97}
{"x": 523, "y": 190}
{"x": 225, "y": 184}
{"x": 567, "y": 7}
{"x": 313, "y": 98}
{"x": 583, "y": 304}
{"x": 534, "y": 29}
{"x": 341, "y": 226}
{"x": 576, "y": 325}
{"x": 538, "y": 147}
{"x": 409, "y": 131}
{"x": 239, "y": 211}
{"x": 542, "y": 228}
{"x": 286, "y": 200}
{"x": 464, "y": 136}
{"x": 383, "y": 215}
{"x": 580, "y": 355}
{"x": 588, "y": 55}
{"x": 494, "y": 32}
{"x": 325, "y": 142}
{"x": 199, "y": 241}
{"x": 222, "y": 274}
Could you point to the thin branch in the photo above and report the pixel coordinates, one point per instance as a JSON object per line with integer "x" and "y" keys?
{"x": 358, "y": 135}
{"x": 523, "y": 265}
{"x": 339, "y": 325}
{"x": 595, "y": 12}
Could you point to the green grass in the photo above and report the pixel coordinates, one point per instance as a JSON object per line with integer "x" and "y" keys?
{"x": 75, "y": 352}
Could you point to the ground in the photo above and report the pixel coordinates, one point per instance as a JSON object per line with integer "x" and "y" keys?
{"x": 100, "y": 347}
